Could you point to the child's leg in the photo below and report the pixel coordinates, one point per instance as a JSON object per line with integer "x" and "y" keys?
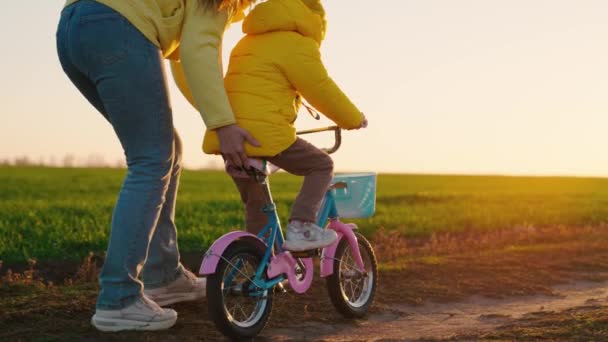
{"x": 316, "y": 166}
{"x": 304, "y": 159}
{"x": 252, "y": 195}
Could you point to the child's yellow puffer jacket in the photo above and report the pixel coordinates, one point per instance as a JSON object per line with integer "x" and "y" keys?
{"x": 276, "y": 61}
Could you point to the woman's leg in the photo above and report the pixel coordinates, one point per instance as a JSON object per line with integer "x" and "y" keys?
{"x": 166, "y": 281}
{"x": 108, "y": 59}
{"x": 163, "y": 265}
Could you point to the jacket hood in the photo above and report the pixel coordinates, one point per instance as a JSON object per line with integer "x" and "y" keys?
{"x": 306, "y": 17}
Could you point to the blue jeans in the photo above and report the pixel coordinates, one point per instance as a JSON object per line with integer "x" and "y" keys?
{"x": 121, "y": 74}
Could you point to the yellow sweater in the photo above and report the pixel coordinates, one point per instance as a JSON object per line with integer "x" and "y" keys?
{"x": 191, "y": 36}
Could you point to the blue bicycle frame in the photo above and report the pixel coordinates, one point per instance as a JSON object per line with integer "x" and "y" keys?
{"x": 272, "y": 234}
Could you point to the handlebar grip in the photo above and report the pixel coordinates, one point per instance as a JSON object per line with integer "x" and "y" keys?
{"x": 337, "y": 137}
{"x": 337, "y": 143}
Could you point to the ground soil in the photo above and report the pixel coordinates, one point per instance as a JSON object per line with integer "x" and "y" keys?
{"x": 516, "y": 284}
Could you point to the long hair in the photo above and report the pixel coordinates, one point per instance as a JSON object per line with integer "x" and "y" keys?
{"x": 217, "y": 5}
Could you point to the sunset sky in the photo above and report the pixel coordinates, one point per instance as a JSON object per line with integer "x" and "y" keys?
{"x": 467, "y": 86}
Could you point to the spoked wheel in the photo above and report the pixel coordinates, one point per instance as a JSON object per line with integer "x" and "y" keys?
{"x": 237, "y": 306}
{"x": 351, "y": 291}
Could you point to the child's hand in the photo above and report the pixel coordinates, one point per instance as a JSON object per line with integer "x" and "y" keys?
{"x": 363, "y": 122}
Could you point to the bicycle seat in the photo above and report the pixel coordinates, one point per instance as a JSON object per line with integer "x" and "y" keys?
{"x": 260, "y": 165}
{"x": 256, "y": 165}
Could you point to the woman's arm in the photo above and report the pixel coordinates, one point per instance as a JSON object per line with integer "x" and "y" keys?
{"x": 201, "y": 67}
{"x": 199, "y": 76}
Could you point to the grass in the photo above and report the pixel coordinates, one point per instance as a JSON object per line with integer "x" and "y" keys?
{"x": 438, "y": 238}
{"x": 63, "y": 214}
{"x": 444, "y": 269}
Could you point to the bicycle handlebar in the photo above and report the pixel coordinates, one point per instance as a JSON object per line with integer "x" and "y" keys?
{"x": 337, "y": 136}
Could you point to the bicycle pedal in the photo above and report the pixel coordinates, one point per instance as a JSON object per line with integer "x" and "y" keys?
{"x": 281, "y": 287}
{"x": 306, "y": 254}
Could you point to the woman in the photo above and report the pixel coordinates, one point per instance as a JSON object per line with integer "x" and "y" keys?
{"x": 113, "y": 50}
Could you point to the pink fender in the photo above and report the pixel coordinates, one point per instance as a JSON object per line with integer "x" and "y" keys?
{"x": 327, "y": 256}
{"x": 212, "y": 256}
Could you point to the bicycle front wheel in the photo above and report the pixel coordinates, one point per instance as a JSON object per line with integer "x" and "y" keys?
{"x": 350, "y": 290}
{"x": 238, "y": 307}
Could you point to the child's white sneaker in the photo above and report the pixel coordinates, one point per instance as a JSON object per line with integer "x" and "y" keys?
{"x": 304, "y": 236}
{"x": 144, "y": 314}
{"x": 185, "y": 288}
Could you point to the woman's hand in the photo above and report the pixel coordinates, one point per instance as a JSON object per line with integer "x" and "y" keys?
{"x": 232, "y": 138}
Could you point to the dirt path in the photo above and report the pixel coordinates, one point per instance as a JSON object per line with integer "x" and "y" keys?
{"x": 432, "y": 291}
{"x": 474, "y": 316}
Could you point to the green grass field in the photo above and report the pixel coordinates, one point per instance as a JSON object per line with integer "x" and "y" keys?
{"x": 62, "y": 214}
{"x": 58, "y": 216}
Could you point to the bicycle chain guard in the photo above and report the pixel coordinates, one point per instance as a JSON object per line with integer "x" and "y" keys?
{"x": 284, "y": 263}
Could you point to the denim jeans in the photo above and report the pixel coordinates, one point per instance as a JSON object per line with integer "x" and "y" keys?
{"x": 121, "y": 74}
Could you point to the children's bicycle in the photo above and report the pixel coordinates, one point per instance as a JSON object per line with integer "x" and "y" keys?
{"x": 244, "y": 270}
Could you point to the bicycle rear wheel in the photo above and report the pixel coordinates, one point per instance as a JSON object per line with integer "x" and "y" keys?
{"x": 237, "y": 306}
{"x": 351, "y": 291}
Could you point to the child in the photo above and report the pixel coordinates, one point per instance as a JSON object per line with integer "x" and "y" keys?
{"x": 276, "y": 62}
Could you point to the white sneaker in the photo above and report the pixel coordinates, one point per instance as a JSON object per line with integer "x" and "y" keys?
{"x": 185, "y": 288}
{"x": 144, "y": 314}
{"x": 304, "y": 236}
